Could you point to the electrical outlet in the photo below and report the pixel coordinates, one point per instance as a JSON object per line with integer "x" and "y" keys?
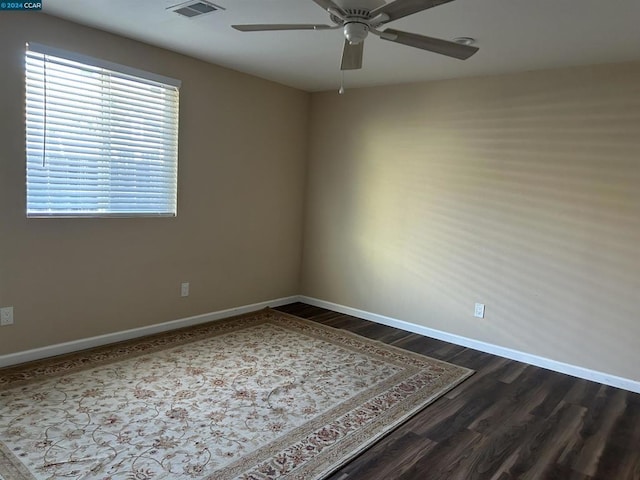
{"x": 479, "y": 311}
{"x": 6, "y": 316}
{"x": 184, "y": 289}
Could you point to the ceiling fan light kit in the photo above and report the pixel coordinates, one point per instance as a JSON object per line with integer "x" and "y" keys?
{"x": 356, "y": 32}
{"x": 357, "y": 23}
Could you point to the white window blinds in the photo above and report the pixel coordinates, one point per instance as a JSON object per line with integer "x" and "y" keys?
{"x": 102, "y": 139}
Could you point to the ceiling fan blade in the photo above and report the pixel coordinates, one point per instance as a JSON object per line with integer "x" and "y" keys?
{"x": 284, "y": 26}
{"x": 437, "y": 45}
{"x": 352, "y": 56}
{"x": 327, "y": 4}
{"x": 402, "y": 8}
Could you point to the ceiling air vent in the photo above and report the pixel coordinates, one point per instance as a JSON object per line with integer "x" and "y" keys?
{"x": 194, "y": 9}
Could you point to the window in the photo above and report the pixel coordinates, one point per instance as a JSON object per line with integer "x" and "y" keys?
{"x": 101, "y": 139}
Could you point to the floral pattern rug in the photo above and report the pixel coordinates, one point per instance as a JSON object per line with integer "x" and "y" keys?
{"x": 257, "y": 397}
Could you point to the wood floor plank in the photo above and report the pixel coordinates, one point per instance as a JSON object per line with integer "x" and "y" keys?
{"x": 513, "y": 370}
{"x": 537, "y": 454}
{"x": 620, "y": 458}
{"x": 493, "y": 369}
{"x": 449, "y": 416}
{"x": 582, "y": 392}
{"x": 597, "y": 427}
{"x": 512, "y": 403}
{"x": 556, "y": 386}
{"x": 497, "y": 446}
{"x": 391, "y": 458}
{"x": 509, "y": 421}
{"x": 444, "y": 461}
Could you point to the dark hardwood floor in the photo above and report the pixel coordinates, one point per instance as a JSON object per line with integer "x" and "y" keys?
{"x": 508, "y": 421}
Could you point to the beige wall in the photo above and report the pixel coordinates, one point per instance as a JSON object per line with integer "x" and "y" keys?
{"x": 521, "y": 192}
{"x": 237, "y": 237}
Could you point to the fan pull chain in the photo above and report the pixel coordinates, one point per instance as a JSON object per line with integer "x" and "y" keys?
{"x": 341, "y": 91}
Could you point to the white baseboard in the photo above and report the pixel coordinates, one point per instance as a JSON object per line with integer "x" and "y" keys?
{"x": 76, "y": 345}
{"x": 561, "y": 367}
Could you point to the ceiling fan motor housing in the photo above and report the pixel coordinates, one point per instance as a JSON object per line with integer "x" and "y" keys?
{"x": 356, "y": 32}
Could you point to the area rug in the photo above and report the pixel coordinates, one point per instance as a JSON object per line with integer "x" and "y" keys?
{"x": 260, "y": 396}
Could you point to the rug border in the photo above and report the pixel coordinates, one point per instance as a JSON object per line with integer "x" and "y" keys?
{"x": 75, "y": 357}
{"x": 367, "y": 339}
{"x": 60, "y": 360}
{"x": 404, "y": 418}
{"x": 395, "y": 425}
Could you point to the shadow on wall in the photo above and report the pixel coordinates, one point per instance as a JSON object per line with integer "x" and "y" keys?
{"x": 519, "y": 193}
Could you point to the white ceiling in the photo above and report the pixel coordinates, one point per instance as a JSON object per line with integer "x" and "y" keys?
{"x": 513, "y": 35}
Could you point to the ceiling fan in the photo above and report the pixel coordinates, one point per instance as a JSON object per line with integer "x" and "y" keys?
{"x": 357, "y": 23}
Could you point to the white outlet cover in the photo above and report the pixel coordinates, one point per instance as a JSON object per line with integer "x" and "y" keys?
{"x": 6, "y": 316}
{"x": 479, "y": 310}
